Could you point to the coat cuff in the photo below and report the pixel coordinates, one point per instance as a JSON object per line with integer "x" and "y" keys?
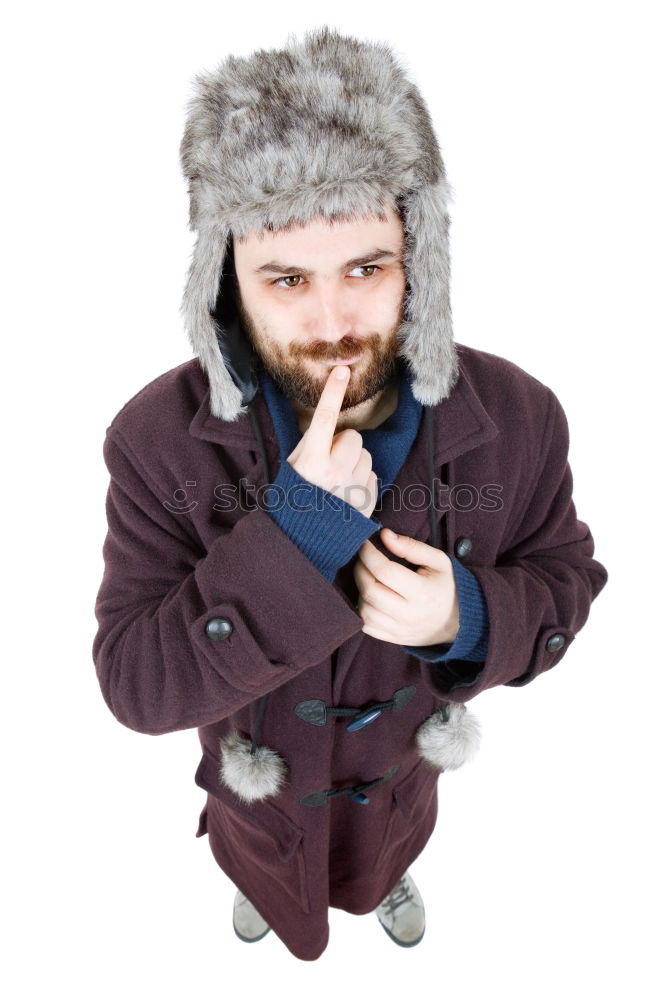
{"x": 471, "y": 642}
{"x": 326, "y": 529}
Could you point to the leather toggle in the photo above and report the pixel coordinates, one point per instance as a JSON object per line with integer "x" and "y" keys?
{"x": 355, "y": 792}
{"x": 313, "y": 711}
{"x": 316, "y": 711}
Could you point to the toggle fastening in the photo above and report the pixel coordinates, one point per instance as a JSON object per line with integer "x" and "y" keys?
{"x": 316, "y": 712}
{"x": 355, "y": 792}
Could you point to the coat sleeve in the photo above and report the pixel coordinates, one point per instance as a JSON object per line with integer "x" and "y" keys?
{"x": 160, "y": 667}
{"x": 539, "y": 592}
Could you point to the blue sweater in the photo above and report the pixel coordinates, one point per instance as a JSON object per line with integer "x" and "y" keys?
{"x": 329, "y": 531}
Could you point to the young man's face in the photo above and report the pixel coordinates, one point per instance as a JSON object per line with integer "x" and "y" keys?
{"x": 322, "y": 294}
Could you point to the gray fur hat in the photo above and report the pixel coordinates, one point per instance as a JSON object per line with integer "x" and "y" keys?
{"x": 328, "y": 126}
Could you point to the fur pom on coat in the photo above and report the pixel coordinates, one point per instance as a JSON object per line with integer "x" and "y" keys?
{"x": 446, "y": 740}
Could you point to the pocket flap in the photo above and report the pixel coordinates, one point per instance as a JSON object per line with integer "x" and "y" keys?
{"x": 261, "y": 815}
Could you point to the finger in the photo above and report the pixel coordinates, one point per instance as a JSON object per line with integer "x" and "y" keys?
{"x": 359, "y": 489}
{"x": 376, "y": 634}
{"x": 378, "y": 624}
{"x": 327, "y": 411}
{"x": 346, "y": 447}
{"x": 376, "y": 594}
{"x": 363, "y": 468}
{"x": 419, "y": 553}
{"x": 401, "y": 579}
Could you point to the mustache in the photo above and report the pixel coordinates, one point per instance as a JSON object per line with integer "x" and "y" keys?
{"x": 348, "y": 347}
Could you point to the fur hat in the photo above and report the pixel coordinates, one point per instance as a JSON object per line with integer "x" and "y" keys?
{"x": 330, "y": 126}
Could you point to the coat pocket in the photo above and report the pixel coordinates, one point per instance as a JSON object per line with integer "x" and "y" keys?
{"x": 256, "y": 836}
{"x": 412, "y": 817}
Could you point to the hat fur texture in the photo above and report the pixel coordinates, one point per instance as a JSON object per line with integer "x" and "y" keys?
{"x": 330, "y": 126}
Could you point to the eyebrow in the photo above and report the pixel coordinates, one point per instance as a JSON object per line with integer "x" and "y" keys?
{"x": 275, "y": 267}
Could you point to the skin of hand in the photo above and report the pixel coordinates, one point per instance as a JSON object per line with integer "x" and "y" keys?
{"x": 400, "y": 605}
{"x": 337, "y": 463}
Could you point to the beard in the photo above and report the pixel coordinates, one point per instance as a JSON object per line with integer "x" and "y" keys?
{"x": 376, "y": 366}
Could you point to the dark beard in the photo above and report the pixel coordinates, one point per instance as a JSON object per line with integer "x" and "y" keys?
{"x": 301, "y": 387}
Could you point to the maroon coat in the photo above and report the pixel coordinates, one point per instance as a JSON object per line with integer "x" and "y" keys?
{"x": 175, "y": 560}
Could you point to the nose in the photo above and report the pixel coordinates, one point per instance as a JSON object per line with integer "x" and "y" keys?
{"x": 329, "y": 319}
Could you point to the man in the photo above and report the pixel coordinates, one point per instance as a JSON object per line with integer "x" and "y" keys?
{"x": 253, "y": 587}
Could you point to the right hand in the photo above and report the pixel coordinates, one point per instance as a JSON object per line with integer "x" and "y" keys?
{"x": 337, "y": 463}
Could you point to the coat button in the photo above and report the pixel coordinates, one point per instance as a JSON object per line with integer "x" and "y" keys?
{"x": 219, "y": 628}
{"x": 555, "y": 642}
{"x": 463, "y": 547}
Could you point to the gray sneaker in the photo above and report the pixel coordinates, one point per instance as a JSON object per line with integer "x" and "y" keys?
{"x": 402, "y": 913}
{"x": 249, "y": 925}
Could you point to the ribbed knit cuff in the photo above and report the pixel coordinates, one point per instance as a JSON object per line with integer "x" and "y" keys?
{"x": 471, "y": 642}
{"x": 325, "y": 528}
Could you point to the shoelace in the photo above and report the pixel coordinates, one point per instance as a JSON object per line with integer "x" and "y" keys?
{"x": 398, "y": 895}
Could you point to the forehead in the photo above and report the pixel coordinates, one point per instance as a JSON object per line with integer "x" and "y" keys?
{"x": 322, "y": 239}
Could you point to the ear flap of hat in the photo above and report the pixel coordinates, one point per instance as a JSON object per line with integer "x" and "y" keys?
{"x": 199, "y": 308}
{"x": 427, "y": 332}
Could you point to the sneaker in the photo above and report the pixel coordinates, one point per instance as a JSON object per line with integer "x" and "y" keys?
{"x": 402, "y": 913}
{"x": 249, "y": 925}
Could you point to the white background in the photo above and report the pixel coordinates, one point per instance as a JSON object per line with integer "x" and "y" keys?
{"x": 545, "y": 874}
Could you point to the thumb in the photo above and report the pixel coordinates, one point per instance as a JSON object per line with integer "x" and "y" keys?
{"x": 416, "y": 552}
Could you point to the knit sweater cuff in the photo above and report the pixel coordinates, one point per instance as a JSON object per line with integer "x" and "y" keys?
{"x": 471, "y": 642}
{"x": 325, "y": 528}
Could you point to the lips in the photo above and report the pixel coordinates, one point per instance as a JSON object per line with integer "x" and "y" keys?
{"x": 344, "y": 361}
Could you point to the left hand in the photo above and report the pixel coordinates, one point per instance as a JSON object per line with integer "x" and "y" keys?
{"x": 397, "y": 604}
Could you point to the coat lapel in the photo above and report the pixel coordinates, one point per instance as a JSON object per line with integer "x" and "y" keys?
{"x": 240, "y": 436}
{"x": 460, "y": 423}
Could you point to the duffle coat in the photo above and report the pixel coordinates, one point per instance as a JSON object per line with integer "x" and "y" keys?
{"x": 206, "y": 605}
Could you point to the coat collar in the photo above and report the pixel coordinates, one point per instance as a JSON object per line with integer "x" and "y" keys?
{"x": 460, "y": 423}
{"x": 233, "y": 433}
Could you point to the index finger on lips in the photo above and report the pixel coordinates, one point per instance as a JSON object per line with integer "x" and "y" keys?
{"x": 325, "y": 417}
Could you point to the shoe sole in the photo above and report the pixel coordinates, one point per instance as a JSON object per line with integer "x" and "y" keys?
{"x": 402, "y": 944}
{"x": 248, "y": 940}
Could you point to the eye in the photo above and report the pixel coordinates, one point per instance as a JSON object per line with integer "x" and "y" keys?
{"x": 288, "y": 278}
{"x": 367, "y": 267}
{"x": 293, "y": 280}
